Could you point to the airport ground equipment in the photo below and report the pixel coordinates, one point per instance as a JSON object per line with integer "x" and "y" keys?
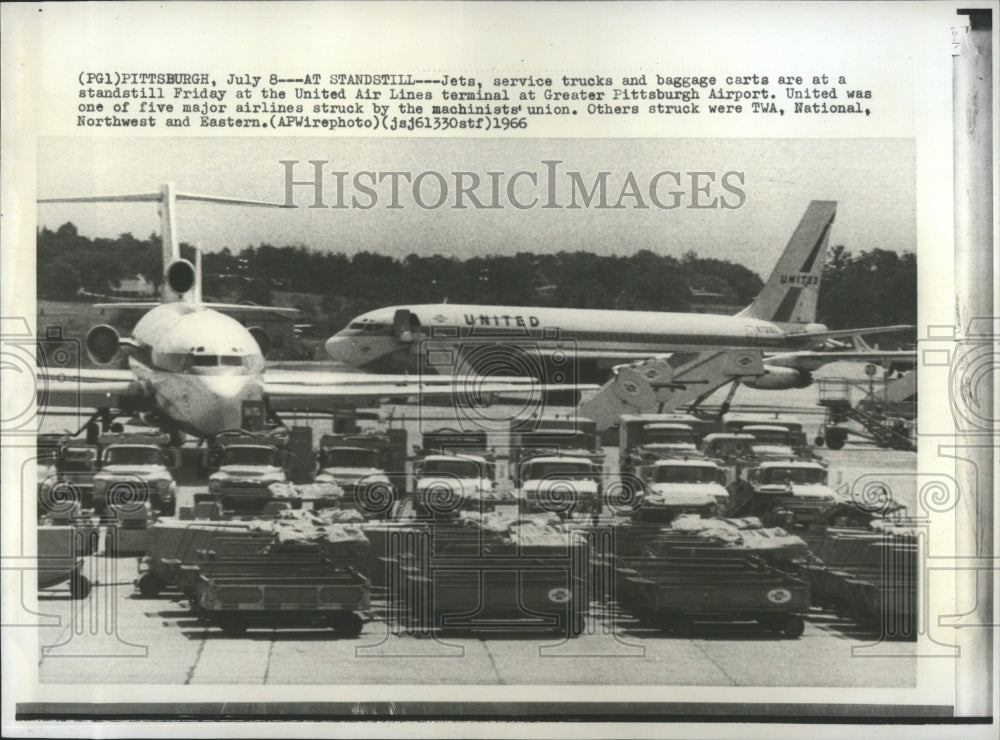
{"x": 732, "y": 452}
{"x": 665, "y": 384}
{"x": 567, "y": 484}
{"x": 133, "y": 468}
{"x": 715, "y": 570}
{"x": 787, "y": 493}
{"x": 489, "y": 571}
{"x": 865, "y": 566}
{"x": 178, "y": 547}
{"x": 455, "y": 470}
{"x": 887, "y": 419}
{"x": 73, "y": 464}
{"x": 643, "y": 438}
{"x": 447, "y": 484}
{"x": 553, "y": 436}
{"x": 299, "y": 568}
{"x": 61, "y": 549}
{"x": 775, "y": 436}
{"x": 369, "y": 468}
{"x": 245, "y": 465}
{"x": 175, "y": 544}
{"x": 676, "y": 486}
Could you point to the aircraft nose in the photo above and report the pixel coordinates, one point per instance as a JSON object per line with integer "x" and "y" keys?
{"x": 220, "y": 405}
{"x": 343, "y": 349}
{"x": 230, "y": 387}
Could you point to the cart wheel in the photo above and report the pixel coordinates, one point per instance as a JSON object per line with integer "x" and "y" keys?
{"x": 346, "y": 624}
{"x": 792, "y": 625}
{"x": 149, "y": 585}
{"x": 232, "y": 625}
{"x": 79, "y": 587}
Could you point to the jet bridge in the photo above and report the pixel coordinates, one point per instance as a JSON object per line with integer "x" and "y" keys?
{"x": 665, "y": 384}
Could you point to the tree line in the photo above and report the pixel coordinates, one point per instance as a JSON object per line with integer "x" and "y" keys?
{"x": 870, "y": 288}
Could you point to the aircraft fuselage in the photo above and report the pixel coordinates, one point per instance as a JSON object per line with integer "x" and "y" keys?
{"x": 199, "y": 364}
{"x": 596, "y": 339}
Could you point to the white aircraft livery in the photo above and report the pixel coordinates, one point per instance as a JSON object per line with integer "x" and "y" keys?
{"x": 191, "y": 367}
{"x": 780, "y": 319}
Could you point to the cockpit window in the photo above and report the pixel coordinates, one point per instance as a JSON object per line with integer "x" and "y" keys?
{"x": 204, "y": 360}
{"x": 232, "y": 360}
{"x": 370, "y": 327}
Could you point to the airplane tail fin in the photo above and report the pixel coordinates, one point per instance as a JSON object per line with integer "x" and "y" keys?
{"x": 181, "y": 279}
{"x": 791, "y": 293}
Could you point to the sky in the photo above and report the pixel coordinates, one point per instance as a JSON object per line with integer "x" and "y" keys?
{"x": 873, "y": 181}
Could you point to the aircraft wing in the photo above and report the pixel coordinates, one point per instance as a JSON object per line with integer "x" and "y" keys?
{"x": 288, "y": 389}
{"x": 835, "y": 333}
{"x": 809, "y": 360}
{"x": 89, "y": 388}
{"x": 235, "y": 310}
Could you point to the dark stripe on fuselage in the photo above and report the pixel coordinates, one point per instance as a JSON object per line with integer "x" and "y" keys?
{"x": 651, "y": 341}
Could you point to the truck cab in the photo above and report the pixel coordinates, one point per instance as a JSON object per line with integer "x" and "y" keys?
{"x": 791, "y": 493}
{"x": 360, "y": 474}
{"x": 245, "y": 467}
{"x": 770, "y": 441}
{"x": 686, "y": 487}
{"x": 67, "y": 483}
{"x": 446, "y": 483}
{"x": 563, "y": 484}
{"x": 727, "y": 447}
{"x": 732, "y": 452}
{"x": 134, "y": 467}
{"x": 669, "y": 438}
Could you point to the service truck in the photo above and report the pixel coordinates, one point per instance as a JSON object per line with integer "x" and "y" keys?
{"x": 789, "y": 493}
{"x": 244, "y": 466}
{"x": 643, "y": 438}
{"x": 136, "y": 468}
{"x": 66, "y": 480}
{"x": 369, "y": 468}
{"x": 565, "y": 484}
{"x": 447, "y": 483}
{"x": 684, "y": 486}
{"x": 732, "y": 452}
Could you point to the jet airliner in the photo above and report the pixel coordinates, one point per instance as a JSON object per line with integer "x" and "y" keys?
{"x": 780, "y": 322}
{"x": 191, "y": 367}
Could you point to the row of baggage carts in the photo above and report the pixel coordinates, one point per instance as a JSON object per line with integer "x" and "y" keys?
{"x": 513, "y": 573}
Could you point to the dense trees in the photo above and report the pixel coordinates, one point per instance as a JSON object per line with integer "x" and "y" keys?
{"x": 870, "y": 288}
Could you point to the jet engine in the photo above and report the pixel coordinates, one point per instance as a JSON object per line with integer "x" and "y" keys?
{"x": 262, "y": 338}
{"x": 816, "y": 328}
{"x": 102, "y": 344}
{"x": 180, "y": 276}
{"x": 777, "y": 378}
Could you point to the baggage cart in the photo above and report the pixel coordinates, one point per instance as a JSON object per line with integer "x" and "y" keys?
{"x": 675, "y": 593}
{"x": 870, "y": 578}
{"x": 464, "y": 578}
{"x": 293, "y": 585}
{"x": 174, "y": 545}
